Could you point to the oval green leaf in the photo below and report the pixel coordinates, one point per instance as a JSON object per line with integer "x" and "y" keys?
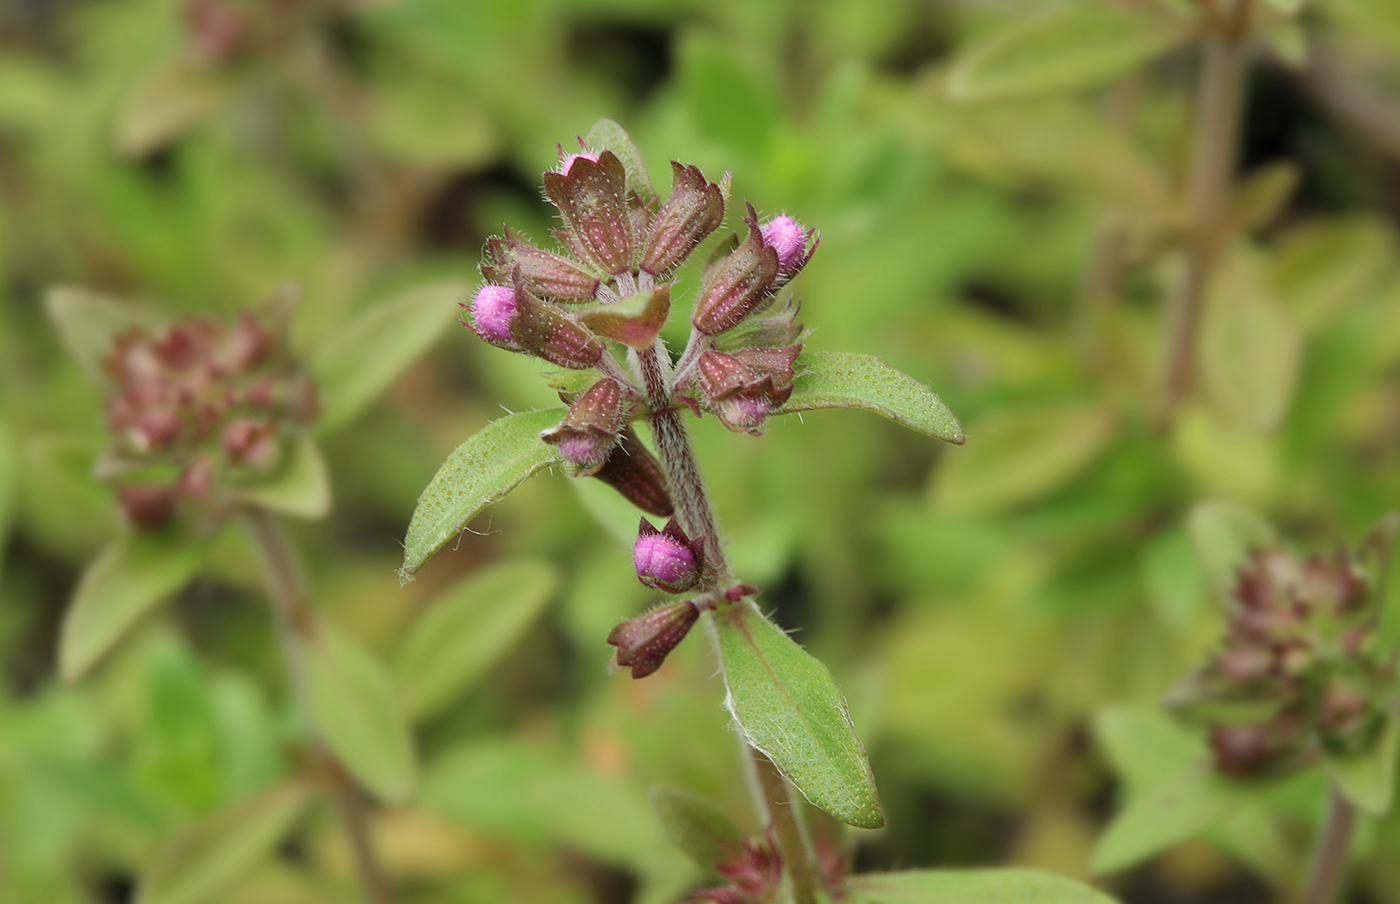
{"x": 1167, "y": 814}
{"x": 126, "y": 581}
{"x": 357, "y": 363}
{"x": 467, "y": 630}
{"x": 89, "y": 323}
{"x": 701, "y": 829}
{"x": 1079, "y": 45}
{"x": 974, "y": 886}
{"x": 845, "y": 380}
{"x": 786, "y": 704}
{"x": 1367, "y": 779}
{"x": 209, "y": 855}
{"x": 354, "y": 708}
{"x": 480, "y": 471}
{"x": 300, "y": 487}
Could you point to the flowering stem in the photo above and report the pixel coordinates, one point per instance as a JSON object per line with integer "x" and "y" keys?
{"x": 296, "y": 624}
{"x": 697, "y": 518}
{"x": 1213, "y": 157}
{"x": 1329, "y": 861}
{"x": 782, "y": 816}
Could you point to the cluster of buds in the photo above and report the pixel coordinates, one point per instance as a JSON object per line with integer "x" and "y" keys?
{"x": 1297, "y": 675}
{"x": 197, "y": 409}
{"x": 755, "y": 873}
{"x": 602, "y": 300}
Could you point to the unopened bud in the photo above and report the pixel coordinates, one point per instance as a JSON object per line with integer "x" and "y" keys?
{"x": 589, "y": 432}
{"x": 542, "y": 330}
{"x": 566, "y": 162}
{"x": 148, "y": 506}
{"x": 737, "y": 285}
{"x": 643, "y": 643}
{"x": 667, "y": 559}
{"x": 636, "y": 474}
{"x": 745, "y": 387}
{"x": 787, "y": 237}
{"x": 694, "y": 210}
{"x": 493, "y": 309}
{"x": 592, "y": 196}
{"x": 539, "y": 271}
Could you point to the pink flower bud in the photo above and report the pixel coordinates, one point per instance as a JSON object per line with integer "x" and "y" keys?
{"x": 667, "y": 559}
{"x": 787, "y": 237}
{"x": 592, "y": 196}
{"x": 590, "y": 430}
{"x": 493, "y": 309}
{"x": 644, "y": 642}
{"x": 567, "y": 163}
{"x": 737, "y": 285}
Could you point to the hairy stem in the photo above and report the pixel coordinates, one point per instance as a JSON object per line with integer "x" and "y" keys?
{"x": 296, "y": 625}
{"x": 1329, "y": 862}
{"x": 782, "y": 816}
{"x": 1212, "y": 162}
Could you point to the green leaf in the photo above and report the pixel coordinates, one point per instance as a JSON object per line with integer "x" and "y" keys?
{"x": 166, "y": 103}
{"x": 974, "y": 886}
{"x": 1167, "y": 814}
{"x": 1321, "y": 269}
{"x": 359, "y": 362}
{"x": 89, "y": 323}
{"x": 467, "y": 630}
{"x": 300, "y": 487}
{"x": 356, "y": 712}
{"x": 635, "y": 321}
{"x": 529, "y": 796}
{"x": 1251, "y": 350}
{"x": 1368, "y": 779}
{"x": 126, "y": 581}
{"x": 701, "y": 829}
{"x": 1022, "y": 454}
{"x": 1145, "y": 745}
{"x": 208, "y": 856}
{"x": 1075, "y": 46}
{"x": 1262, "y": 195}
{"x": 9, "y": 472}
{"x": 607, "y": 135}
{"x": 787, "y": 706}
{"x": 480, "y": 471}
{"x": 1224, "y": 534}
{"x": 844, "y": 380}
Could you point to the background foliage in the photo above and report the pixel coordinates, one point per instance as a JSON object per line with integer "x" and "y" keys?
{"x": 1004, "y": 232}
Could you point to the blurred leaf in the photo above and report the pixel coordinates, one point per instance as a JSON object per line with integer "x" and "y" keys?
{"x": 359, "y": 362}
{"x": 427, "y": 122}
{"x": 1223, "y": 535}
{"x": 607, "y": 135}
{"x": 981, "y": 886}
{"x": 1367, "y": 779}
{"x": 208, "y": 856}
{"x": 166, "y": 103}
{"x": 1287, "y": 7}
{"x": 468, "y": 629}
{"x": 1288, "y": 38}
{"x": 1021, "y": 454}
{"x": 634, "y": 321}
{"x": 1173, "y": 576}
{"x": 9, "y": 472}
{"x": 1323, "y": 268}
{"x": 844, "y": 380}
{"x": 1171, "y": 812}
{"x": 1146, "y": 746}
{"x": 1378, "y": 20}
{"x": 1251, "y": 352}
{"x": 1225, "y": 459}
{"x": 786, "y": 704}
{"x": 126, "y": 581}
{"x": 480, "y": 471}
{"x": 513, "y": 791}
{"x": 300, "y": 487}
{"x": 354, "y": 708}
{"x": 1078, "y": 45}
{"x": 730, "y": 103}
{"x": 89, "y": 324}
{"x": 701, "y": 829}
{"x": 1262, "y": 195}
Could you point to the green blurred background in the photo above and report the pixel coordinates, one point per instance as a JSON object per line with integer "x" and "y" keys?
{"x": 978, "y": 605}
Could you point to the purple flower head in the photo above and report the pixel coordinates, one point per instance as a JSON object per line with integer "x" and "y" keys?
{"x": 667, "y": 559}
{"x": 493, "y": 309}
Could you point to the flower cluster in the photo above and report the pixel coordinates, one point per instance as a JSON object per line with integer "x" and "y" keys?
{"x": 755, "y": 872}
{"x": 1297, "y": 675}
{"x": 197, "y": 409}
{"x": 607, "y": 291}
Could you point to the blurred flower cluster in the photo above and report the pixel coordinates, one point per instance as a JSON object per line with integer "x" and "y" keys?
{"x": 1298, "y": 674}
{"x": 196, "y": 410}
